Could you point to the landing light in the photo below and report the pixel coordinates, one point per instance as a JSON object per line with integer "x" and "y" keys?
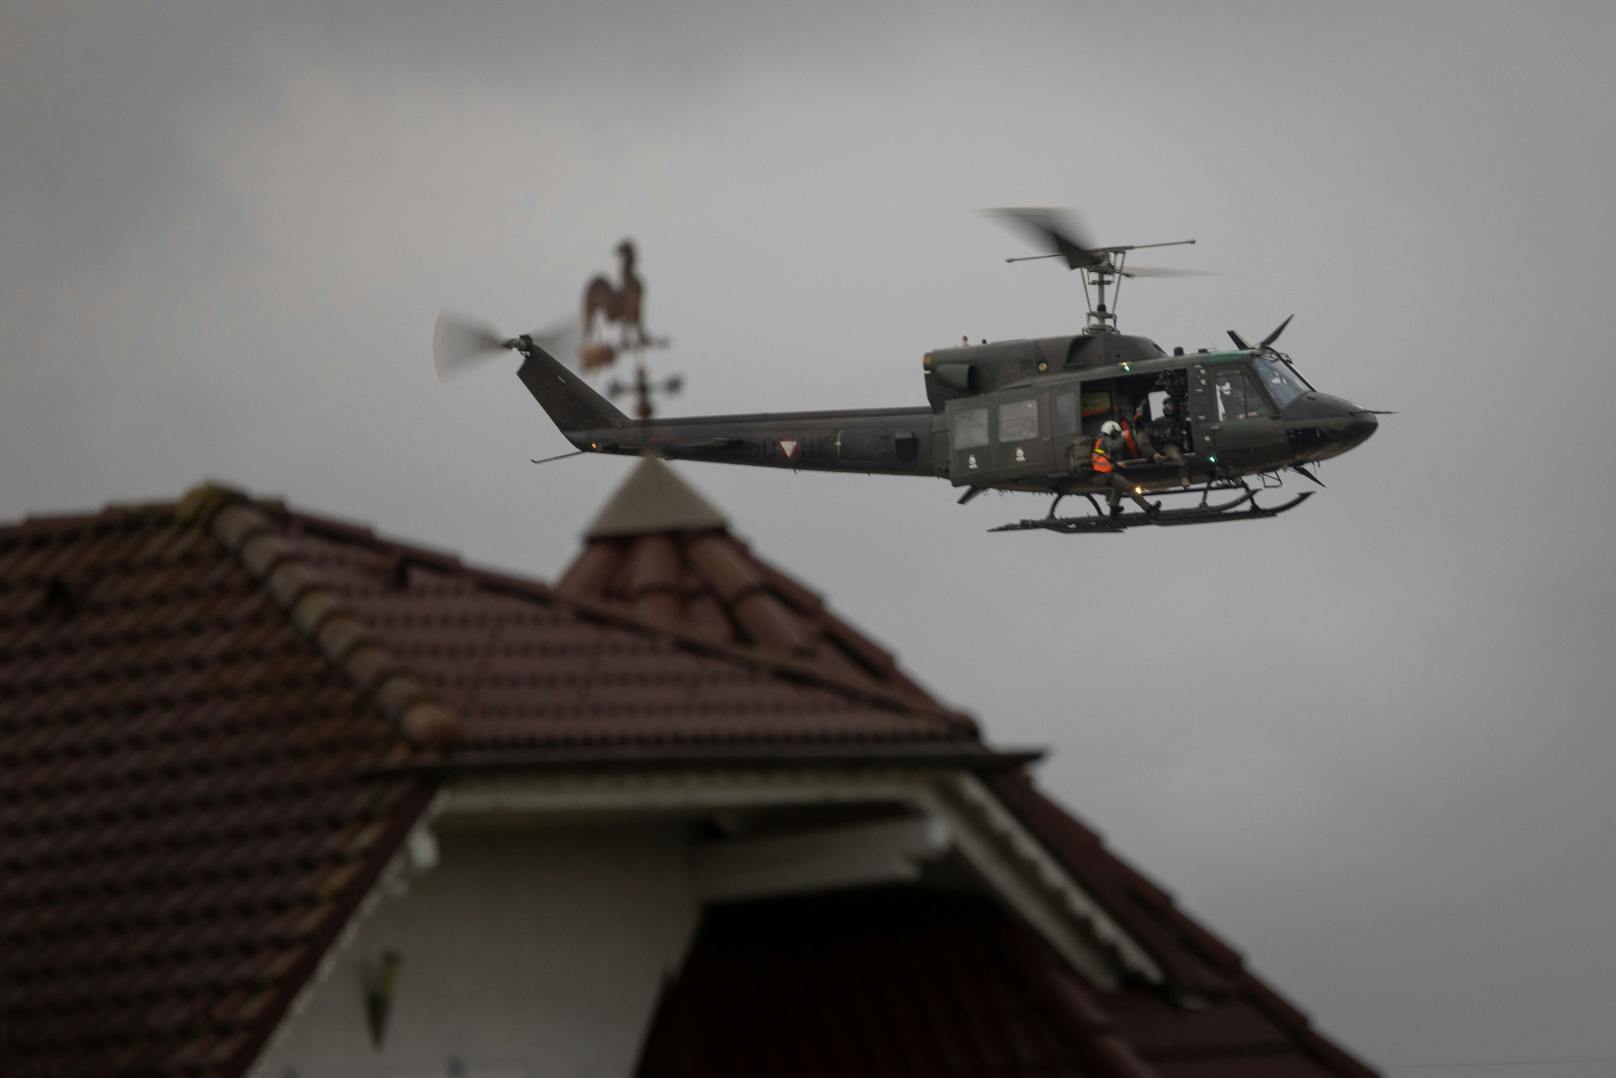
{"x": 1138, "y": 490}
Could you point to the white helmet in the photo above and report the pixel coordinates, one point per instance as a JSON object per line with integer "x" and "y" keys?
{"x": 1110, "y": 428}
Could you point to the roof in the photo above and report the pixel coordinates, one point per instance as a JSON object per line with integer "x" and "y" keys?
{"x": 184, "y": 825}
{"x": 523, "y": 668}
{"x": 661, "y": 553}
{"x": 1215, "y": 1017}
{"x": 221, "y": 721}
{"x": 223, "y": 717}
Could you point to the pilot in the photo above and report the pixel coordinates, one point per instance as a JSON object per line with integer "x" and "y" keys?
{"x": 1167, "y": 438}
{"x": 1109, "y": 448}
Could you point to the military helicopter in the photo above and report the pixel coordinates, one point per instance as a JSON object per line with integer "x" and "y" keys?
{"x": 1018, "y": 415}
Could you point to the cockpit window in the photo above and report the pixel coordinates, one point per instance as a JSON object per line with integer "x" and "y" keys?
{"x": 1282, "y": 383}
{"x": 1237, "y": 396}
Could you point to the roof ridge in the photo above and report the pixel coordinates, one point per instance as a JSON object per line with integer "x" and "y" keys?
{"x": 111, "y": 515}
{"x": 241, "y": 526}
{"x": 778, "y": 662}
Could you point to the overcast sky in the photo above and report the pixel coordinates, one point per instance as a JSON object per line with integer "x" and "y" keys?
{"x": 1368, "y": 742}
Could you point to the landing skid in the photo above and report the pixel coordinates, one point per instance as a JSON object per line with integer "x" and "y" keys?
{"x": 1101, "y": 521}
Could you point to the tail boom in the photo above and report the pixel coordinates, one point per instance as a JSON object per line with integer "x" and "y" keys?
{"x": 885, "y": 441}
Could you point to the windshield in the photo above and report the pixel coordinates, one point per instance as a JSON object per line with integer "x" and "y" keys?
{"x": 1282, "y": 383}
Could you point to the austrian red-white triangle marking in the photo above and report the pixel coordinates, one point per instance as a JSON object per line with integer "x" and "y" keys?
{"x": 788, "y": 446}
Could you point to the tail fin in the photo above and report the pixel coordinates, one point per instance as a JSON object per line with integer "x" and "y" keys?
{"x": 564, "y": 396}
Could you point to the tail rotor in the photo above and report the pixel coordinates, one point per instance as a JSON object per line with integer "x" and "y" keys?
{"x": 460, "y": 342}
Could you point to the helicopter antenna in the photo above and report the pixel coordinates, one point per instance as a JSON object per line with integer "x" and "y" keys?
{"x": 1102, "y": 267}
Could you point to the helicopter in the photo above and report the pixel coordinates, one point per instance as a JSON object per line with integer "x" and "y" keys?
{"x": 1212, "y": 429}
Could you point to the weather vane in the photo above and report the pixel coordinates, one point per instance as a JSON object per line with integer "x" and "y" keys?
{"x": 624, "y": 306}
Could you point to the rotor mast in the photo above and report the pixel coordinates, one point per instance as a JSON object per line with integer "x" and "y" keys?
{"x": 1103, "y": 267}
{"x": 1112, "y": 262}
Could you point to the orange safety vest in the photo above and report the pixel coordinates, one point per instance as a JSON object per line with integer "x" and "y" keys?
{"x": 1099, "y": 459}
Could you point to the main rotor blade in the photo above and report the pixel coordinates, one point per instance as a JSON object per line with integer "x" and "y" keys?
{"x": 1274, "y": 336}
{"x": 1239, "y": 341}
{"x": 1051, "y": 230}
{"x": 458, "y": 341}
{"x": 1162, "y": 271}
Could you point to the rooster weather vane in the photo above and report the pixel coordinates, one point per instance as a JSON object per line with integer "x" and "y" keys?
{"x": 624, "y": 306}
{"x": 459, "y": 341}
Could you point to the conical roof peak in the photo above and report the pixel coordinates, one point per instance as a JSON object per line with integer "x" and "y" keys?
{"x": 663, "y": 552}
{"x": 654, "y": 500}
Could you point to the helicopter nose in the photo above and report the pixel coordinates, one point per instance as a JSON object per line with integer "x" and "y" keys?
{"x": 1320, "y": 425}
{"x": 1360, "y": 425}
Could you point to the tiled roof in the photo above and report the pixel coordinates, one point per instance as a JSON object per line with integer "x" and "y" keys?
{"x": 208, "y": 715}
{"x": 1218, "y": 1018}
{"x": 661, "y": 553}
{"x": 525, "y": 667}
{"x": 183, "y": 821}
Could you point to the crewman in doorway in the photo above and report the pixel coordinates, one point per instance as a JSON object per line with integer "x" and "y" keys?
{"x": 1109, "y": 448}
{"x": 1167, "y": 438}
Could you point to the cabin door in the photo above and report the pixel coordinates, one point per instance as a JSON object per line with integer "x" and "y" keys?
{"x": 970, "y": 462}
{"x": 1021, "y": 433}
{"x": 1202, "y": 413}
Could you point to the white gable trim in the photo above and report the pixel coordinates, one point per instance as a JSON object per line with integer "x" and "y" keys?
{"x": 860, "y": 855}
{"x": 1025, "y": 875}
{"x": 1049, "y": 878}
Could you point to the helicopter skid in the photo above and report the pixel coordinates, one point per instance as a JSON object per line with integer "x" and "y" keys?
{"x": 1201, "y": 514}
